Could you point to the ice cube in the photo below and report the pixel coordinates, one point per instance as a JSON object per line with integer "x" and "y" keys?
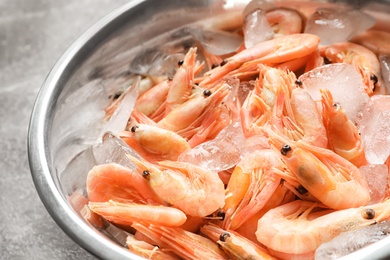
{"x": 338, "y": 24}
{"x": 114, "y": 150}
{"x": 353, "y": 240}
{"x": 377, "y": 179}
{"x": 384, "y": 60}
{"x": 254, "y": 5}
{"x": 374, "y": 127}
{"x": 216, "y": 41}
{"x": 121, "y": 115}
{"x": 221, "y": 153}
{"x": 256, "y": 28}
{"x": 343, "y": 81}
{"x": 75, "y": 133}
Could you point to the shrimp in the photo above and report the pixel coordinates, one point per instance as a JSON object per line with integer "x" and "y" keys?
{"x": 181, "y": 85}
{"x": 305, "y": 123}
{"x": 155, "y": 143}
{"x": 343, "y": 136}
{"x": 235, "y": 245}
{"x": 127, "y": 213}
{"x": 185, "y": 244}
{"x": 189, "y": 115}
{"x": 149, "y": 251}
{"x": 282, "y": 195}
{"x": 251, "y": 185}
{"x": 300, "y": 227}
{"x": 196, "y": 191}
{"x": 149, "y": 102}
{"x": 330, "y": 178}
{"x": 364, "y": 61}
{"x": 277, "y": 50}
{"x": 115, "y": 182}
{"x": 284, "y": 21}
{"x": 265, "y": 104}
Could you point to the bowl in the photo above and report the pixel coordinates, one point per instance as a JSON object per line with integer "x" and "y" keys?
{"x": 62, "y": 127}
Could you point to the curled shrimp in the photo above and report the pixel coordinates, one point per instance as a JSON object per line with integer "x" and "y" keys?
{"x": 364, "y": 61}
{"x": 115, "y": 182}
{"x": 185, "y": 244}
{"x": 251, "y": 185}
{"x": 284, "y": 21}
{"x": 196, "y": 191}
{"x": 235, "y": 245}
{"x": 277, "y": 50}
{"x": 155, "y": 143}
{"x": 127, "y": 213}
{"x": 343, "y": 136}
{"x": 298, "y": 228}
{"x": 327, "y": 176}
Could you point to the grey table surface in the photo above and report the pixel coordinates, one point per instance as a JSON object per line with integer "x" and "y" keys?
{"x": 33, "y": 35}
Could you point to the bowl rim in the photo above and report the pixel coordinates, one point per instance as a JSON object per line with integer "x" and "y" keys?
{"x": 37, "y": 142}
{"x": 38, "y": 157}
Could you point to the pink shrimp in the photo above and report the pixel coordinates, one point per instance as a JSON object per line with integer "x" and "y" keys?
{"x": 235, "y": 245}
{"x": 149, "y": 102}
{"x": 277, "y": 50}
{"x": 155, "y": 143}
{"x": 185, "y": 244}
{"x": 364, "y": 61}
{"x": 181, "y": 85}
{"x": 343, "y": 136}
{"x": 251, "y": 185}
{"x": 298, "y": 228}
{"x": 189, "y": 115}
{"x": 128, "y": 213}
{"x": 115, "y": 182}
{"x": 305, "y": 122}
{"x": 196, "y": 191}
{"x": 330, "y": 178}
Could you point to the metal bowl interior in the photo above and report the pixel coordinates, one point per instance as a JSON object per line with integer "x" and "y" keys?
{"x": 58, "y": 141}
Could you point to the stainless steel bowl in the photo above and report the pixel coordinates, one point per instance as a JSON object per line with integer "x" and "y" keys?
{"x": 55, "y": 140}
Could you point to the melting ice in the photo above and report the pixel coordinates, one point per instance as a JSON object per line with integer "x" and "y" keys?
{"x": 351, "y": 241}
{"x": 343, "y": 81}
{"x": 338, "y": 24}
{"x": 374, "y": 127}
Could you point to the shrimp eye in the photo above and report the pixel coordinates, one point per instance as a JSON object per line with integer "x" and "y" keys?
{"x": 298, "y": 82}
{"x": 221, "y": 214}
{"x": 133, "y": 128}
{"x": 207, "y": 93}
{"x": 180, "y": 62}
{"x": 224, "y": 236}
{"x": 336, "y": 105}
{"x": 285, "y": 149}
{"x": 224, "y": 62}
{"x": 301, "y": 190}
{"x": 369, "y": 214}
{"x": 146, "y": 174}
{"x": 374, "y": 78}
{"x": 214, "y": 65}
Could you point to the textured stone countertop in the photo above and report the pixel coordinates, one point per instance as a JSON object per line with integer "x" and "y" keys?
{"x": 33, "y": 35}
